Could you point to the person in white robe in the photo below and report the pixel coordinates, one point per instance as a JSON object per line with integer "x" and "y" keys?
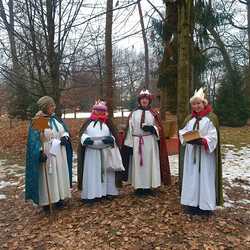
{"x": 52, "y": 158}
{"x": 143, "y": 140}
{"x": 200, "y": 164}
{"x": 98, "y": 156}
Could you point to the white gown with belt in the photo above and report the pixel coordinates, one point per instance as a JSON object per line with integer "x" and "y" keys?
{"x": 198, "y": 188}
{"x": 144, "y": 168}
{"x": 98, "y": 180}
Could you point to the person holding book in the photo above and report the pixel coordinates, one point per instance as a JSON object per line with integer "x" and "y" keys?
{"x": 144, "y": 151}
{"x": 200, "y": 158}
{"x": 48, "y": 158}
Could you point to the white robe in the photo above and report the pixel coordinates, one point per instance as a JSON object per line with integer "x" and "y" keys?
{"x": 57, "y": 168}
{"x": 93, "y": 186}
{"x": 198, "y": 189}
{"x": 148, "y": 174}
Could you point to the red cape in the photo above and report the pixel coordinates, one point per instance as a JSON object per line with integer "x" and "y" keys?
{"x": 164, "y": 162}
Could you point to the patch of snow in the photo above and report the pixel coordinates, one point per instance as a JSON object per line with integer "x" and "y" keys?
{"x": 227, "y": 204}
{"x": 236, "y": 163}
{"x": 2, "y": 196}
{"x": 244, "y": 201}
{"x": 119, "y": 114}
{"x": 4, "y": 184}
{"x": 173, "y": 162}
{"x": 78, "y": 115}
{"x": 87, "y": 114}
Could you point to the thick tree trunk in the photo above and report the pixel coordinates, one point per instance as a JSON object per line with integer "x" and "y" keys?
{"x": 168, "y": 68}
{"x": 109, "y": 88}
{"x": 184, "y": 59}
{"x": 145, "y": 42}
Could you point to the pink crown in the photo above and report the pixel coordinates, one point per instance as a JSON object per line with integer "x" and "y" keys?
{"x": 100, "y": 105}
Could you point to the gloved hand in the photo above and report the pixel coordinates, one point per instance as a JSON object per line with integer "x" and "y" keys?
{"x": 149, "y": 128}
{"x": 64, "y": 140}
{"x": 196, "y": 142}
{"x": 130, "y": 150}
{"x": 43, "y": 157}
{"x": 108, "y": 140}
{"x": 88, "y": 141}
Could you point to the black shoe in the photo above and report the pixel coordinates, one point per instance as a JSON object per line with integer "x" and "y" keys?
{"x": 191, "y": 210}
{"x": 206, "y": 213}
{"x": 139, "y": 192}
{"x": 89, "y": 202}
{"x": 46, "y": 209}
{"x": 149, "y": 191}
{"x": 109, "y": 197}
{"x": 60, "y": 204}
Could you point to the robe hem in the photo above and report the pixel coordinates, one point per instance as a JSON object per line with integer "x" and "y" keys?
{"x": 186, "y": 203}
{"x": 54, "y": 201}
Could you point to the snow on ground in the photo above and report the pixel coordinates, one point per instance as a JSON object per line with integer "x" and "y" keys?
{"x": 7, "y": 170}
{"x": 87, "y": 114}
{"x": 2, "y": 196}
{"x": 236, "y": 171}
{"x": 236, "y": 163}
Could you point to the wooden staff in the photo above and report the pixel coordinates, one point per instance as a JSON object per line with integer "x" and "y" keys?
{"x": 41, "y": 123}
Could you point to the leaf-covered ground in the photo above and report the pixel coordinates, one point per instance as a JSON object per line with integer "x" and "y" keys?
{"x": 127, "y": 222}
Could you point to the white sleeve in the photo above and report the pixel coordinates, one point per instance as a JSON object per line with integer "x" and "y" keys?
{"x": 211, "y": 137}
{"x": 48, "y": 134}
{"x": 182, "y": 132}
{"x": 129, "y": 138}
{"x": 84, "y": 137}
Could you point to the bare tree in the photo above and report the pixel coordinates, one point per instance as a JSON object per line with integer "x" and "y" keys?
{"x": 108, "y": 58}
{"x": 145, "y": 42}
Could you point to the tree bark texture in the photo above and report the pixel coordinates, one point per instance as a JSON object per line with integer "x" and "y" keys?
{"x": 168, "y": 68}
{"x": 109, "y": 88}
{"x": 145, "y": 42}
{"x": 184, "y": 59}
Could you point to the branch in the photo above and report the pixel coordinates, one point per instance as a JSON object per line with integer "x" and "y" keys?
{"x": 155, "y": 8}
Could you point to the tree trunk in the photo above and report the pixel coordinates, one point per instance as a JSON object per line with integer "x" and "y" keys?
{"x": 145, "y": 42}
{"x": 168, "y": 68}
{"x": 248, "y": 32}
{"x": 184, "y": 59}
{"x": 10, "y": 30}
{"x": 52, "y": 55}
{"x": 109, "y": 88}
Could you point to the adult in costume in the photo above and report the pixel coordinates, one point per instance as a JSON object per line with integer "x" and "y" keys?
{"x": 144, "y": 152}
{"x": 48, "y": 158}
{"x": 200, "y": 159}
{"x": 98, "y": 156}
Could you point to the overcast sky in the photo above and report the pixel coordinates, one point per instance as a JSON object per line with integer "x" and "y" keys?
{"x": 125, "y": 21}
